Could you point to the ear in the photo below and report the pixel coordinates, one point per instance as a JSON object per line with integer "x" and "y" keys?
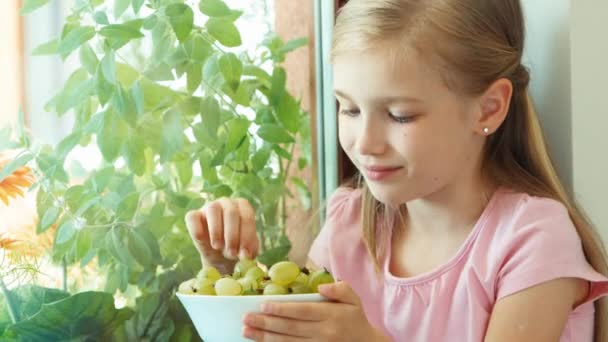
{"x": 494, "y": 106}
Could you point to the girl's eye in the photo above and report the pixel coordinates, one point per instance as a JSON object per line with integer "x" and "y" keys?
{"x": 402, "y": 118}
{"x": 349, "y": 112}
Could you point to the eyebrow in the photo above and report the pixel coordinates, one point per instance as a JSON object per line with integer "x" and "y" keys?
{"x": 384, "y": 99}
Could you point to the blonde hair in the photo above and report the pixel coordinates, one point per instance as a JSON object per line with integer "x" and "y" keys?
{"x": 473, "y": 44}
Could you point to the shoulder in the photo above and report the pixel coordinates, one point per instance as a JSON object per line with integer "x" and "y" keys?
{"x": 520, "y": 214}
{"x": 344, "y": 204}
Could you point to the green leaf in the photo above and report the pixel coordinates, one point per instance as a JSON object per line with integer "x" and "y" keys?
{"x": 210, "y": 113}
{"x": 65, "y": 232}
{"x": 31, "y": 5}
{"x": 137, "y": 4}
{"x": 195, "y": 76}
{"x": 181, "y": 18}
{"x": 49, "y": 218}
{"x": 113, "y": 135}
{"x": 232, "y": 69}
{"x": 224, "y": 31}
{"x": 88, "y": 59}
{"x": 108, "y": 67}
{"x": 197, "y": 48}
{"x": 14, "y": 164}
{"x": 137, "y": 95}
{"x": 214, "y": 8}
{"x": 184, "y": 170}
{"x": 293, "y": 45}
{"x": 120, "y": 34}
{"x": 75, "y": 38}
{"x": 48, "y": 48}
{"x": 120, "y": 6}
{"x": 66, "y": 145}
{"x": 101, "y": 18}
{"x": 128, "y": 206}
{"x": 237, "y": 131}
{"x": 152, "y": 317}
{"x": 84, "y": 244}
{"x": 274, "y": 134}
{"x": 29, "y": 299}
{"x": 101, "y": 178}
{"x": 211, "y": 72}
{"x": 279, "y": 79}
{"x": 172, "y": 136}
{"x": 260, "y": 158}
{"x": 288, "y": 113}
{"x": 139, "y": 248}
{"x": 274, "y": 255}
{"x": 123, "y": 103}
{"x": 115, "y": 245}
{"x": 74, "y": 318}
{"x": 134, "y": 154}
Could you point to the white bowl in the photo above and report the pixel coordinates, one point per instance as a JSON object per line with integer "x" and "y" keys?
{"x": 220, "y": 318}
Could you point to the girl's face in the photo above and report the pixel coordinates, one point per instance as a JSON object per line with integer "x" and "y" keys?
{"x": 408, "y": 135}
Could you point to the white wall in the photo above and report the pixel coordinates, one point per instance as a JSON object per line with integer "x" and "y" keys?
{"x": 567, "y": 51}
{"x": 589, "y": 108}
{"x": 547, "y": 54}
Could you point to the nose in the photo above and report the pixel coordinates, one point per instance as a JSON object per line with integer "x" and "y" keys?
{"x": 370, "y": 136}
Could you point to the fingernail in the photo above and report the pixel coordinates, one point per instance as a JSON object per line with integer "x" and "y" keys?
{"x": 266, "y": 307}
{"x": 244, "y": 254}
{"x": 247, "y": 333}
{"x": 248, "y": 319}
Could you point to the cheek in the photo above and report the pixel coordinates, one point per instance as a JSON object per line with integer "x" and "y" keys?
{"x": 346, "y": 135}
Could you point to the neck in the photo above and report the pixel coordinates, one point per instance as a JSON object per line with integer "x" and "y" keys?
{"x": 451, "y": 209}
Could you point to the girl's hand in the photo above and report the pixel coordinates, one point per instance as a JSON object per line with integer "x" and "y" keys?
{"x": 342, "y": 319}
{"x": 222, "y": 231}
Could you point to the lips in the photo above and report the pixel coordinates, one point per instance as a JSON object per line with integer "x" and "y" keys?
{"x": 378, "y": 172}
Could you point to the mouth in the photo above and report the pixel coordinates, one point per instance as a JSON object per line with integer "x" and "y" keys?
{"x": 377, "y": 172}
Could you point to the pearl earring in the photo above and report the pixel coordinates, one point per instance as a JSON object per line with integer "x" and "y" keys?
{"x": 486, "y": 130}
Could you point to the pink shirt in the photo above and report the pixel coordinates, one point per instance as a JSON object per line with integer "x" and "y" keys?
{"x": 518, "y": 242}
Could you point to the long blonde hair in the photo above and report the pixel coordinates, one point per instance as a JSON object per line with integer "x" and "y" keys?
{"x": 473, "y": 43}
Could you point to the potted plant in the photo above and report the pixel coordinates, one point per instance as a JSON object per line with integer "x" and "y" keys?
{"x": 185, "y": 119}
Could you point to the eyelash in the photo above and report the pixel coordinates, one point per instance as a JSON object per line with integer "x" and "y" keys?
{"x": 398, "y": 119}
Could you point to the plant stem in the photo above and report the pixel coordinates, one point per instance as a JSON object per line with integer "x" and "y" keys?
{"x": 10, "y": 302}
{"x": 64, "y": 271}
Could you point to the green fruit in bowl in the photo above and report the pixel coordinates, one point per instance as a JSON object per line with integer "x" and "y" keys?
{"x": 205, "y": 286}
{"x": 284, "y": 277}
{"x": 319, "y": 277}
{"x": 284, "y": 272}
{"x": 209, "y": 272}
{"x": 242, "y": 266}
{"x": 298, "y": 288}
{"x": 275, "y": 289}
{"x": 255, "y": 273}
{"x": 249, "y": 284}
{"x": 187, "y": 287}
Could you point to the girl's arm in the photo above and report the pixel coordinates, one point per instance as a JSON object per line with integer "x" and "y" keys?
{"x": 537, "y": 314}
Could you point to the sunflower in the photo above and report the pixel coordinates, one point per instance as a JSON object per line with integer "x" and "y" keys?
{"x": 13, "y": 184}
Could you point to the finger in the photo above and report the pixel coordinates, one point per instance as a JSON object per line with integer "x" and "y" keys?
{"x": 265, "y": 336}
{"x": 299, "y": 310}
{"x": 269, "y": 328}
{"x": 232, "y": 223}
{"x": 249, "y": 238}
{"x": 213, "y": 215}
{"x": 198, "y": 232}
{"x": 339, "y": 292}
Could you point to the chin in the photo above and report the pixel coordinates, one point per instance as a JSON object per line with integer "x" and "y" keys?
{"x": 388, "y": 195}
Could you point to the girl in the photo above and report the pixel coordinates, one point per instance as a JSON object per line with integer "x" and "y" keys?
{"x": 459, "y": 228}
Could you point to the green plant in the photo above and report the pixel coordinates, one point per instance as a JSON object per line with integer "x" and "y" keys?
{"x": 183, "y": 120}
